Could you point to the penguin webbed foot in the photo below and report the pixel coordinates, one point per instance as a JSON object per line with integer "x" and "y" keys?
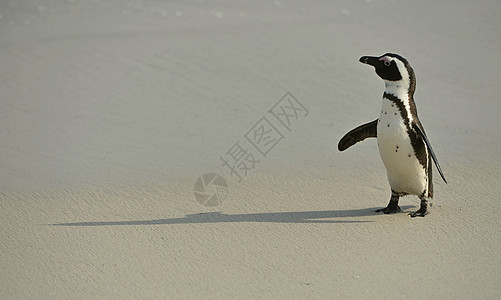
{"x": 390, "y": 210}
{"x": 419, "y": 213}
{"x": 392, "y": 205}
{"x": 422, "y": 211}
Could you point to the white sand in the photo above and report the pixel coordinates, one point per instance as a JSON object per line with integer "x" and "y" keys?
{"x": 110, "y": 110}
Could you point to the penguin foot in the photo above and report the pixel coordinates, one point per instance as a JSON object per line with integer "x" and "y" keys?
{"x": 419, "y": 213}
{"x": 390, "y": 210}
{"x": 423, "y": 209}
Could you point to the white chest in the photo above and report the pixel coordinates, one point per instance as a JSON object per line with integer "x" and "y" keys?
{"x": 405, "y": 173}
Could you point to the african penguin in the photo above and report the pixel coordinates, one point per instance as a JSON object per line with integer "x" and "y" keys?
{"x": 403, "y": 146}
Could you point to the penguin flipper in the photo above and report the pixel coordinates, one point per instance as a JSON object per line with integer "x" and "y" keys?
{"x": 357, "y": 135}
{"x": 428, "y": 145}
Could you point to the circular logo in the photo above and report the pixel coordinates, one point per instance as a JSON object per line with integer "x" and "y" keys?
{"x": 210, "y": 189}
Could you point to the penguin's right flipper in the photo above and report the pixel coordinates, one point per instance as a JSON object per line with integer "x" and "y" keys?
{"x": 357, "y": 135}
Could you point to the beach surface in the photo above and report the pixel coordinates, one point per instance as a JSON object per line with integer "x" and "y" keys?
{"x": 117, "y": 117}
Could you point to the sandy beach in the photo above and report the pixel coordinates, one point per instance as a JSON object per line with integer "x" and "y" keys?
{"x": 116, "y": 113}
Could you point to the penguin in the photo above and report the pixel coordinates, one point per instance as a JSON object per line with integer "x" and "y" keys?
{"x": 403, "y": 145}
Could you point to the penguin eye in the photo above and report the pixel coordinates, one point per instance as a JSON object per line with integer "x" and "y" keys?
{"x": 386, "y": 61}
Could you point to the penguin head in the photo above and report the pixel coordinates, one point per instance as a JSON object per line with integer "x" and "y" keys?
{"x": 390, "y": 67}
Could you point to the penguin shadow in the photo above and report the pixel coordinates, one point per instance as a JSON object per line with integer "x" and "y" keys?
{"x": 326, "y": 216}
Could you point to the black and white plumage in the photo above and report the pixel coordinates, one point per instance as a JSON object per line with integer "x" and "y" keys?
{"x": 404, "y": 148}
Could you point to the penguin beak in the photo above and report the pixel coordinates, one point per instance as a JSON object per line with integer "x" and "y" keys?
{"x": 370, "y": 60}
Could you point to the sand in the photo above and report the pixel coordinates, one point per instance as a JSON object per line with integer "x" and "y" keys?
{"x": 111, "y": 110}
